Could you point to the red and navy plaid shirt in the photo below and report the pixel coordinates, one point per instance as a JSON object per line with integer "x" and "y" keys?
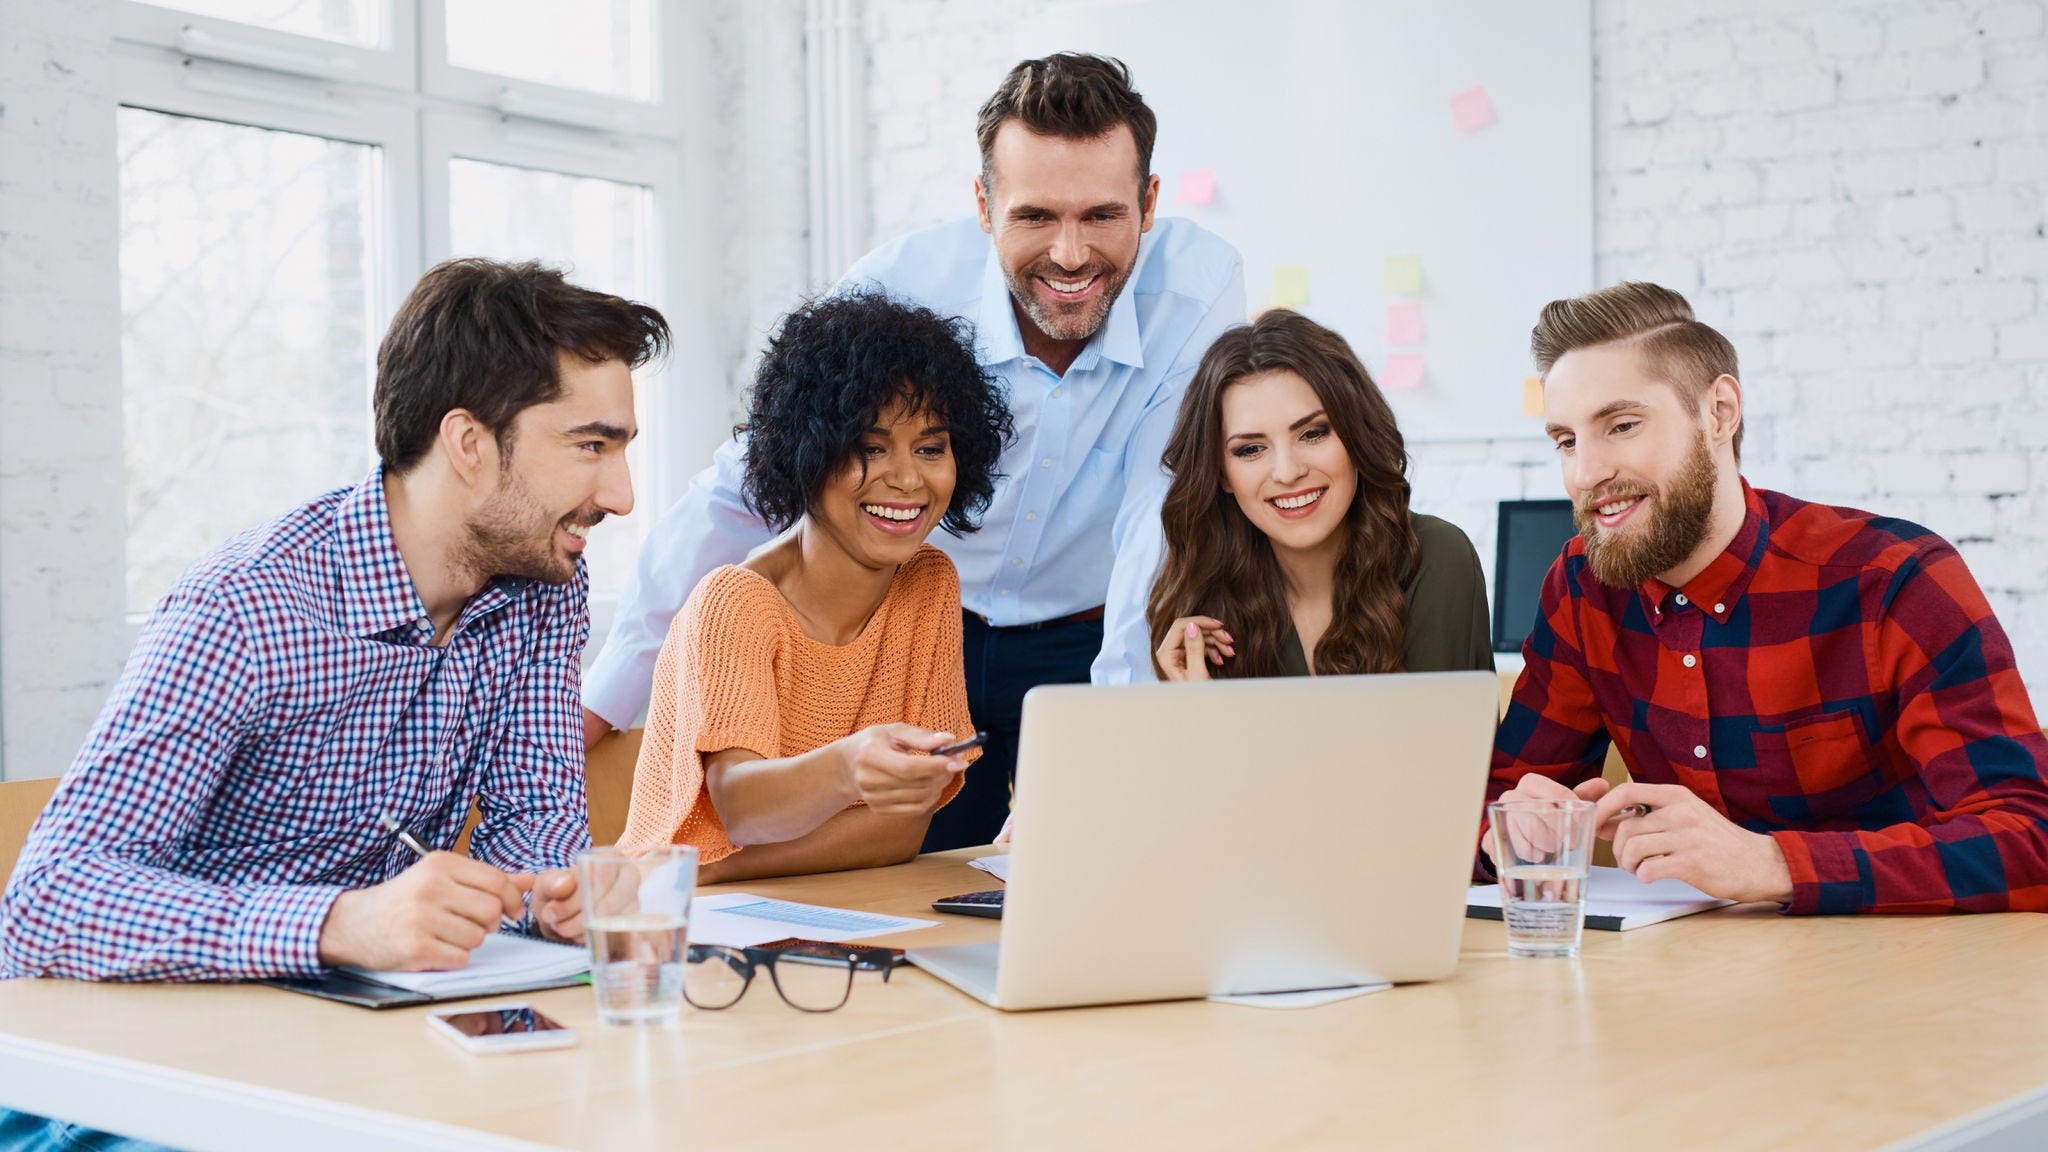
{"x": 1834, "y": 679}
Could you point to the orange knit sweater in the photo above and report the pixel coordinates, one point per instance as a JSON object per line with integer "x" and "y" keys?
{"x": 738, "y": 672}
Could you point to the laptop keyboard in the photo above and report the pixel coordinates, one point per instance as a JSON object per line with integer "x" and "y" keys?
{"x": 988, "y": 904}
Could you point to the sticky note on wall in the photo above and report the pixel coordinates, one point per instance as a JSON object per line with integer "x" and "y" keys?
{"x": 1290, "y": 286}
{"x": 1403, "y": 372}
{"x": 1532, "y": 396}
{"x": 1401, "y": 276}
{"x": 1471, "y": 110}
{"x": 1404, "y": 322}
{"x": 1195, "y": 186}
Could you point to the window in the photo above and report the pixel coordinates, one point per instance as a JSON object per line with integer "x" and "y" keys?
{"x": 288, "y": 169}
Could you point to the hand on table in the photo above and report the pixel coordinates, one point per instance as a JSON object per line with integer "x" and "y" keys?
{"x": 427, "y": 918}
{"x": 1009, "y": 830}
{"x": 1683, "y": 838}
{"x": 558, "y": 906}
{"x": 1192, "y": 644}
{"x": 1535, "y": 840}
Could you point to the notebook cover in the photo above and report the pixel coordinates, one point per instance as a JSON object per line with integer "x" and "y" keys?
{"x": 350, "y": 989}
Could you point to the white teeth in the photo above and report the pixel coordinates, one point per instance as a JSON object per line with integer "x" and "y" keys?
{"x": 1618, "y": 506}
{"x": 579, "y": 531}
{"x": 1302, "y": 501}
{"x": 901, "y": 514}
{"x": 1070, "y": 285}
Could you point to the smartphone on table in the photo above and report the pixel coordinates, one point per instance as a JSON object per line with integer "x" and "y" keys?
{"x": 501, "y": 1028}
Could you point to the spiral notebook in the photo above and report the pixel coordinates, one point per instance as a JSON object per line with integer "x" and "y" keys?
{"x": 504, "y": 963}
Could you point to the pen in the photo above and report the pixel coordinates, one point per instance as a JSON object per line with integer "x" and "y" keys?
{"x": 1632, "y": 810}
{"x": 404, "y": 836}
{"x": 972, "y": 742}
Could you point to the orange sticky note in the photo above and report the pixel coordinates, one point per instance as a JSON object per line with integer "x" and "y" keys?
{"x": 1471, "y": 110}
{"x": 1403, "y": 372}
{"x": 1532, "y": 396}
{"x": 1196, "y": 186}
{"x": 1404, "y": 323}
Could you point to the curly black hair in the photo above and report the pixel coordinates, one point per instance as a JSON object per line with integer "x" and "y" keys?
{"x": 832, "y": 367}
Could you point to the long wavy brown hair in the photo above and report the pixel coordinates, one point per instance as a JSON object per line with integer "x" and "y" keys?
{"x": 1219, "y": 564}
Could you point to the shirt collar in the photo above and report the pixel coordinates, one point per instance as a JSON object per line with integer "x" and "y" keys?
{"x": 378, "y": 595}
{"x": 1721, "y": 584}
{"x": 998, "y": 340}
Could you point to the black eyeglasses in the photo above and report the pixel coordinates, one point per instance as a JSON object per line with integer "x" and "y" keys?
{"x": 808, "y": 977}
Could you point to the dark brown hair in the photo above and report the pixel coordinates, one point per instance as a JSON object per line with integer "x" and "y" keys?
{"x": 1072, "y": 96}
{"x": 1675, "y": 347}
{"x": 1219, "y": 564}
{"x": 483, "y": 336}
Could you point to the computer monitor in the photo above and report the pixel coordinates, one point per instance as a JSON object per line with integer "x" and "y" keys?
{"x": 1532, "y": 533}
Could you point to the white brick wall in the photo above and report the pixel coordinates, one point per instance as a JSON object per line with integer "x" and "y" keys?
{"x": 1855, "y": 191}
{"x": 61, "y": 633}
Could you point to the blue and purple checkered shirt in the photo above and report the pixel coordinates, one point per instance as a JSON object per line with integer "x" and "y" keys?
{"x": 282, "y": 693}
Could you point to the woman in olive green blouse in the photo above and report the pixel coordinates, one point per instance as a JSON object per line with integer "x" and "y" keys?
{"x": 1290, "y": 549}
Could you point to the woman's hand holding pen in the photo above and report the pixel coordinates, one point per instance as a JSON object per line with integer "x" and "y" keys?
{"x": 1192, "y": 644}
{"x": 429, "y": 917}
{"x": 1666, "y": 831}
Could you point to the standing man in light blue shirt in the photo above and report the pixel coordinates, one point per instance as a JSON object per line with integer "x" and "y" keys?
{"x": 1095, "y": 316}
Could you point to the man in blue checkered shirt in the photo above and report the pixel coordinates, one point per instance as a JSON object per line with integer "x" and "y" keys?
{"x": 410, "y": 644}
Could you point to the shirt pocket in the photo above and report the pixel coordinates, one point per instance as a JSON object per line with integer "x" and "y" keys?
{"x": 1822, "y": 753}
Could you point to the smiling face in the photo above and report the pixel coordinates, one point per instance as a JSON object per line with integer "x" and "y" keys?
{"x": 890, "y": 496}
{"x": 1291, "y": 476}
{"x": 1066, "y": 216}
{"x": 561, "y": 469}
{"x": 1639, "y": 465}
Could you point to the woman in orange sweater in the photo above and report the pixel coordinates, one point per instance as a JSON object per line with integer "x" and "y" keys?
{"x": 799, "y": 695}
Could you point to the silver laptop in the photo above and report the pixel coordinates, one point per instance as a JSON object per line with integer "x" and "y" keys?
{"x": 1184, "y": 840}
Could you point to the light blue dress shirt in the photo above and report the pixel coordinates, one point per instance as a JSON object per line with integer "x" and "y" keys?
{"x": 1075, "y": 518}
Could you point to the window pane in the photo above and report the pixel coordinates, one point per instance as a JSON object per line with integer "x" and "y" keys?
{"x": 599, "y": 45}
{"x": 246, "y": 297}
{"x": 350, "y": 21}
{"x": 601, "y": 233}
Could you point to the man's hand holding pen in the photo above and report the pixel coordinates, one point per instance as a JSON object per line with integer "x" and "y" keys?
{"x": 1666, "y": 831}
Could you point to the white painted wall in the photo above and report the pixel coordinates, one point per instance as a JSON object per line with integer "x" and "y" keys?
{"x": 1854, "y": 191}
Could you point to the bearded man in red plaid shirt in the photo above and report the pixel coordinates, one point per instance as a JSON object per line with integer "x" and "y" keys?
{"x": 1815, "y": 704}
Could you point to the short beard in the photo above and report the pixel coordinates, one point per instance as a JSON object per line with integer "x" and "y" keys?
{"x": 1679, "y": 514}
{"x": 1062, "y": 325}
{"x": 502, "y": 537}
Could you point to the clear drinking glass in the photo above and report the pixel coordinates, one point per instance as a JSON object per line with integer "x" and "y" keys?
{"x": 1542, "y": 849}
{"x": 637, "y": 918}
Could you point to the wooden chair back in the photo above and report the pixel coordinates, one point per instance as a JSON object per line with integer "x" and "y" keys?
{"x": 21, "y": 801}
{"x": 607, "y": 787}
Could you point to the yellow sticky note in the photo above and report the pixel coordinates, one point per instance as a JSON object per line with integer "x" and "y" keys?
{"x": 1402, "y": 276}
{"x": 1532, "y": 396}
{"x": 1290, "y": 286}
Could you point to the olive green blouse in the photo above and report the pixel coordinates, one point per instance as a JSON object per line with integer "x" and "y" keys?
{"x": 1447, "y": 622}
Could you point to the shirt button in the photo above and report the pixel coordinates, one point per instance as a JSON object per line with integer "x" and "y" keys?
{"x": 1016, "y": 560}
{"x": 1004, "y": 592}
{"x": 1689, "y": 661}
{"x": 1056, "y": 393}
{"x": 1031, "y": 515}
{"x": 1699, "y": 751}
{"x": 1045, "y": 463}
{"x": 1681, "y": 600}
{"x": 1720, "y": 608}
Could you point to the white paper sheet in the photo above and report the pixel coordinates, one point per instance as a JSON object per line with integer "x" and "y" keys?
{"x": 996, "y": 866}
{"x": 741, "y": 920}
{"x": 1617, "y": 901}
{"x": 1309, "y": 999}
{"x": 502, "y": 963}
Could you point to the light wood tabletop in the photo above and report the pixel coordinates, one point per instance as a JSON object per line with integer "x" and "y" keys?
{"x": 1739, "y": 1028}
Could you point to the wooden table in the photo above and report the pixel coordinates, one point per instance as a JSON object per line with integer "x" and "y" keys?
{"x": 1738, "y": 1028}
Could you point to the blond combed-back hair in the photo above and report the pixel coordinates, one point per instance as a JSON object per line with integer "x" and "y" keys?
{"x": 1676, "y": 348}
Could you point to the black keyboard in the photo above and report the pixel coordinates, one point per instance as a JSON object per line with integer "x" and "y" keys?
{"x": 988, "y": 904}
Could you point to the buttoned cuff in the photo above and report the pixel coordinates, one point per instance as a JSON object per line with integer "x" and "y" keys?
{"x": 1829, "y": 872}
{"x": 279, "y": 934}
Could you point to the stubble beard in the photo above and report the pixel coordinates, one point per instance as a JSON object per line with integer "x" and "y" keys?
{"x": 1058, "y": 323}
{"x": 514, "y": 536}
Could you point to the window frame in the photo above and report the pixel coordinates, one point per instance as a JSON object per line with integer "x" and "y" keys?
{"x": 405, "y": 99}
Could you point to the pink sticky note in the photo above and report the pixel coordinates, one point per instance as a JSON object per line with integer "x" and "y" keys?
{"x": 1403, "y": 371}
{"x": 1196, "y": 186}
{"x": 1404, "y": 323}
{"x": 1471, "y": 110}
